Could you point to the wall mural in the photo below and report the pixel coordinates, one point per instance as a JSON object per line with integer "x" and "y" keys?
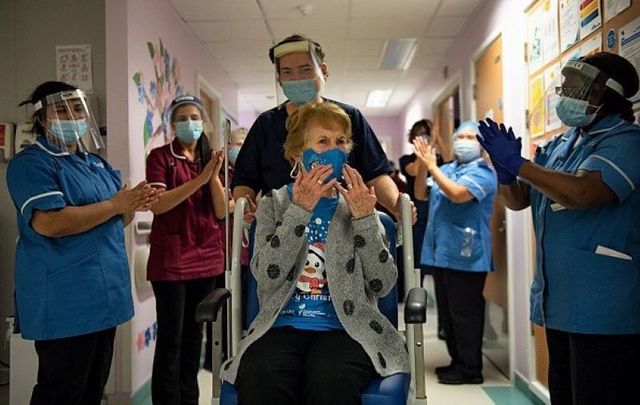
{"x": 157, "y": 95}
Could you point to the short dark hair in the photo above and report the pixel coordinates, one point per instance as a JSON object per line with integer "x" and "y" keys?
{"x": 295, "y": 38}
{"x": 40, "y": 94}
{"x": 621, "y": 70}
{"x": 425, "y": 124}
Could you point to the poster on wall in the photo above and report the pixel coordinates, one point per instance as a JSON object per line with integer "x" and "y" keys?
{"x": 569, "y": 23}
{"x": 614, "y": 7}
{"x": 156, "y": 94}
{"x": 536, "y": 47}
{"x": 590, "y": 17}
{"x": 552, "y": 79}
{"x": 551, "y": 45}
{"x": 73, "y": 66}
{"x": 592, "y": 45}
{"x": 630, "y": 49}
{"x": 536, "y": 106}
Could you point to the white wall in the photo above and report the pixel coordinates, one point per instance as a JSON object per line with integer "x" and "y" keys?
{"x": 492, "y": 17}
{"x": 29, "y": 33}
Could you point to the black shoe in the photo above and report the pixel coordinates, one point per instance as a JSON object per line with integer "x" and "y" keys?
{"x": 458, "y": 376}
{"x": 444, "y": 369}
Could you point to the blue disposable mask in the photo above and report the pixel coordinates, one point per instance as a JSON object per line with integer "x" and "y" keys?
{"x": 69, "y": 131}
{"x": 300, "y": 91}
{"x": 334, "y": 157}
{"x": 233, "y": 154}
{"x": 466, "y": 150}
{"x": 189, "y": 131}
{"x": 573, "y": 112}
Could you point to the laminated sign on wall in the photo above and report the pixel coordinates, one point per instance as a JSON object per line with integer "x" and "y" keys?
{"x": 73, "y": 66}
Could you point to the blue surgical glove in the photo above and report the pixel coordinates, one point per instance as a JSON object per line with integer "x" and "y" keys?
{"x": 502, "y": 146}
{"x": 504, "y": 176}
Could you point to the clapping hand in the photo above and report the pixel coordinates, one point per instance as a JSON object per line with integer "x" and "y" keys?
{"x": 139, "y": 198}
{"x": 503, "y": 148}
{"x": 360, "y": 198}
{"x": 425, "y": 154}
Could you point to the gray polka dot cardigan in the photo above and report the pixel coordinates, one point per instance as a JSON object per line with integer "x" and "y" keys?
{"x": 359, "y": 271}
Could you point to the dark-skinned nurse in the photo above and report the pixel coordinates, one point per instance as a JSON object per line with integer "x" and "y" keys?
{"x": 582, "y": 188}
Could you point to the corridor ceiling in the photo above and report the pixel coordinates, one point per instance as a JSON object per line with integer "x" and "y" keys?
{"x": 238, "y": 34}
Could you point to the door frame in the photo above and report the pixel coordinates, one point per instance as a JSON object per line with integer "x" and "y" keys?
{"x": 511, "y": 287}
{"x": 221, "y": 111}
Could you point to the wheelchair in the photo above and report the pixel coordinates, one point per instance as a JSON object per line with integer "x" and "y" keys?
{"x": 397, "y": 389}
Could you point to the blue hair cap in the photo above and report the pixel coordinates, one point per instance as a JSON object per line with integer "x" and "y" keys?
{"x": 467, "y": 126}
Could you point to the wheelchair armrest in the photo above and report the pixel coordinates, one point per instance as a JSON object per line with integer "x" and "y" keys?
{"x": 207, "y": 310}
{"x": 415, "y": 307}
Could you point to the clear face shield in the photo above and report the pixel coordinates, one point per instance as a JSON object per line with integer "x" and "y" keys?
{"x": 298, "y": 72}
{"x": 69, "y": 123}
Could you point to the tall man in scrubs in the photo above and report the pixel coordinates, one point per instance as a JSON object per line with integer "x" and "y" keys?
{"x": 72, "y": 285}
{"x": 301, "y": 72}
{"x": 582, "y": 188}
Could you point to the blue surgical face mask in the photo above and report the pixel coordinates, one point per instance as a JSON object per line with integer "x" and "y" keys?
{"x": 69, "y": 131}
{"x": 334, "y": 157}
{"x": 466, "y": 150}
{"x": 189, "y": 131}
{"x": 300, "y": 91}
{"x": 573, "y": 112}
{"x": 233, "y": 154}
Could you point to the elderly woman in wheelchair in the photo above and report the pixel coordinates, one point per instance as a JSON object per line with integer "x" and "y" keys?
{"x": 321, "y": 262}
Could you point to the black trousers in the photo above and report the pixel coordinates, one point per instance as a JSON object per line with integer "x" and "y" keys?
{"x": 177, "y": 355}
{"x": 73, "y": 370}
{"x": 291, "y": 366}
{"x": 461, "y": 314}
{"x": 593, "y": 369}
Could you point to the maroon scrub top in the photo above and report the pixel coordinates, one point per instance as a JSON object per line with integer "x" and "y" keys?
{"x": 187, "y": 241}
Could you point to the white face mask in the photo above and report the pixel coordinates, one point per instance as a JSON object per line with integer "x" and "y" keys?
{"x": 466, "y": 150}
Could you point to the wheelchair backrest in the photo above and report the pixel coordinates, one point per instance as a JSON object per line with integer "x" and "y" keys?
{"x": 388, "y": 304}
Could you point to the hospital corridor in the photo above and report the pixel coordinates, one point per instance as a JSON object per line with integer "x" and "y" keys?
{"x": 319, "y": 202}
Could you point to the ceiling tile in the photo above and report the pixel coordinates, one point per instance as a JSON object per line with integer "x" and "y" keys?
{"x": 233, "y": 49}
{"x": 445, "y": 26}
{"x": 422, "y": 9}
{"x": 385, "y": 28}
{"x": 314, "y": 28}
{"x": 362, "y": 62}
{"x": 458, "y": 7}
{"x": 434, "y": 46}
{"x": 230, "y": 30}
{"x": 216, "y": 10}
{"x": 326, "y": 9}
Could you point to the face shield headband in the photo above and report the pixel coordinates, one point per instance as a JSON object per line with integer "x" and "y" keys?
{"x": 579, "y": 78}
{"x": 69, "y": 124}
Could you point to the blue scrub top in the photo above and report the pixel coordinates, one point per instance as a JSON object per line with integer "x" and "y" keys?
{"x": 588, "y": 261}
{"x": 261, "y": 164}
{"x": 458, "y": 236}
{"x": 71, "y": 285}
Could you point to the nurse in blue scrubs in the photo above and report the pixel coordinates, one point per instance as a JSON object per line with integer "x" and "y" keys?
{"x": 582, "y": 188}
{"x": 72, "y": 283}
{"x": 457, "y": 246}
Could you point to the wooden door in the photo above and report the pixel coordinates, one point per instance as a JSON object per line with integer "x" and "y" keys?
{"x": 487, "y": 91}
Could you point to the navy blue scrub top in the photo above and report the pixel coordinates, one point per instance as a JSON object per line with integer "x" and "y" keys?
{"x": 71, "y": 285}
{"x": 588, "y": 261}
{"x": 261, "y": 164}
